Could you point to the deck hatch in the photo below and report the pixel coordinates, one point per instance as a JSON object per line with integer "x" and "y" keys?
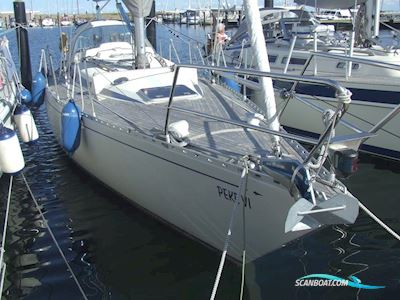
{"x": 154, "y": 93}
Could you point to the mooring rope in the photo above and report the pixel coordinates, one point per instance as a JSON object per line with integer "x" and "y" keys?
{"x": 243, "y": 179}
{"x": 54, "y": 238}
{"x": 244, "y": 236}
{"x": 379, "y": 221}
{"x": 3, "y": 241}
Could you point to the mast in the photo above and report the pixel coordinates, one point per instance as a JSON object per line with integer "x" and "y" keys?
{"x": 268, "y": 3}
{"x": 377, "y": 17}
{"x": 372, "y": 14}
{"x": 266, "y": 101}
{"x": 140, "y": 37}
{"x": 139, "y": 9}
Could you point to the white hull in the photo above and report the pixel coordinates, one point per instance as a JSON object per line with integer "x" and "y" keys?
{"x": 193, "y": 21}
{"x": 66, "y": 23}
{"x": 47, "y": 23}
{"x": 6, "y": 113}
{"x": 188, "y": 191}
{"x": 362, "y": 114}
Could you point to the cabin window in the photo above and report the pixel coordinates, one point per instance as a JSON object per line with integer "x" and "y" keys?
{"x": 295, "y": 61}
{"x": 342, "y": 65}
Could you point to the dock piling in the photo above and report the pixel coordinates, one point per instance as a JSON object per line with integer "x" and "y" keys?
{"x": 23, "y": 44}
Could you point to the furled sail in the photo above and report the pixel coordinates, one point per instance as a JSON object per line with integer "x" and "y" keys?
{"x": 138, "y": 8}
{"x": 332, "y": 4}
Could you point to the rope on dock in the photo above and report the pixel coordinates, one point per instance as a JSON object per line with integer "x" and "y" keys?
{"x": 3, "y": 241}
{"x": 243, "y": 179}
{"x": 54, "y": 238}
{"x": 379, "y": 221}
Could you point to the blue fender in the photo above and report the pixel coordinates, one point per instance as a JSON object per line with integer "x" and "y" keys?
{"x": 71, "y": 127}
{"x": 26, "y": 96}
{"x": 38, "y": 89}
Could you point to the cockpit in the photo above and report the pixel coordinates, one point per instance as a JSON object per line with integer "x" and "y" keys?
{"x": 94, "y": 34}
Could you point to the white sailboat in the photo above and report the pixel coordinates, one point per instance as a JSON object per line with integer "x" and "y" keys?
{"x": 8, "y": 84}
{"x": 48, "y": 22}
{"x": 298, "y": 44}
{"x": 189, "y": 150}
{"x": 9, "y": 89}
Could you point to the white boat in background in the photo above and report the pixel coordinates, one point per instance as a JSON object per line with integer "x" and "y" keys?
{"x": 189, "y": 150}
{"x": 65, "y": 21}
{"x": 206, "y": 17}
{"x": 193, "y": 17}
{"x": 48, "y": 22}
{"x": 334, "y": 15}
{"x": 33, "y": 24}
{"x": 304, "y": 46}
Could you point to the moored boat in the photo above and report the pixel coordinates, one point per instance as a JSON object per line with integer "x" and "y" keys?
{"x": 303, "y": 46}
{"x": 48, "y": 22}
{"x": 189, "y": 150}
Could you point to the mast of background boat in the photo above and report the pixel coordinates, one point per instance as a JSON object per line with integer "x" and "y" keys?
{"x": 352, "y": 41}
{"x": 23, "y": 44}
{"x": 257, "y": 39}
{"x": 139, "y": 9}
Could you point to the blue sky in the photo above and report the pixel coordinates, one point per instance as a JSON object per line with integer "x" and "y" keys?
{"x": 69, "y": 6}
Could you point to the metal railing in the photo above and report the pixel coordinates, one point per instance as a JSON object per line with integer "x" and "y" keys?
{"x": 343, "y": 96}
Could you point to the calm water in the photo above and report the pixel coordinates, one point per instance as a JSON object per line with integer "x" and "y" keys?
{"x": 119, "y": 252}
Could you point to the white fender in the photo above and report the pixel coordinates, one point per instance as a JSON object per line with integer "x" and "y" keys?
{"x": 11, "y": 158}
{"x": 26, "y": 124}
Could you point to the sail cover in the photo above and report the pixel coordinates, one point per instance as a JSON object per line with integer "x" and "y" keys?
{"x": 138, "y": 8}
{"x": 332, "y": 4}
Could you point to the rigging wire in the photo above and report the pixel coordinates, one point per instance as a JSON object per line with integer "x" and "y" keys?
{"x": 54, "y": 238}
{"x": 243, "y": 183}
{"x": 3, "y": 242}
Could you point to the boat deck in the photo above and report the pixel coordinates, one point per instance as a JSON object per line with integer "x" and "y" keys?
{"x": 221, "y": 140}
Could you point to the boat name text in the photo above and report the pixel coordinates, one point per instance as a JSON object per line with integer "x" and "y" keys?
{"x": 229, "y": 195}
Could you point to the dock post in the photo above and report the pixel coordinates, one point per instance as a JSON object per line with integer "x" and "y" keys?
{"x": 23, "y": 43}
